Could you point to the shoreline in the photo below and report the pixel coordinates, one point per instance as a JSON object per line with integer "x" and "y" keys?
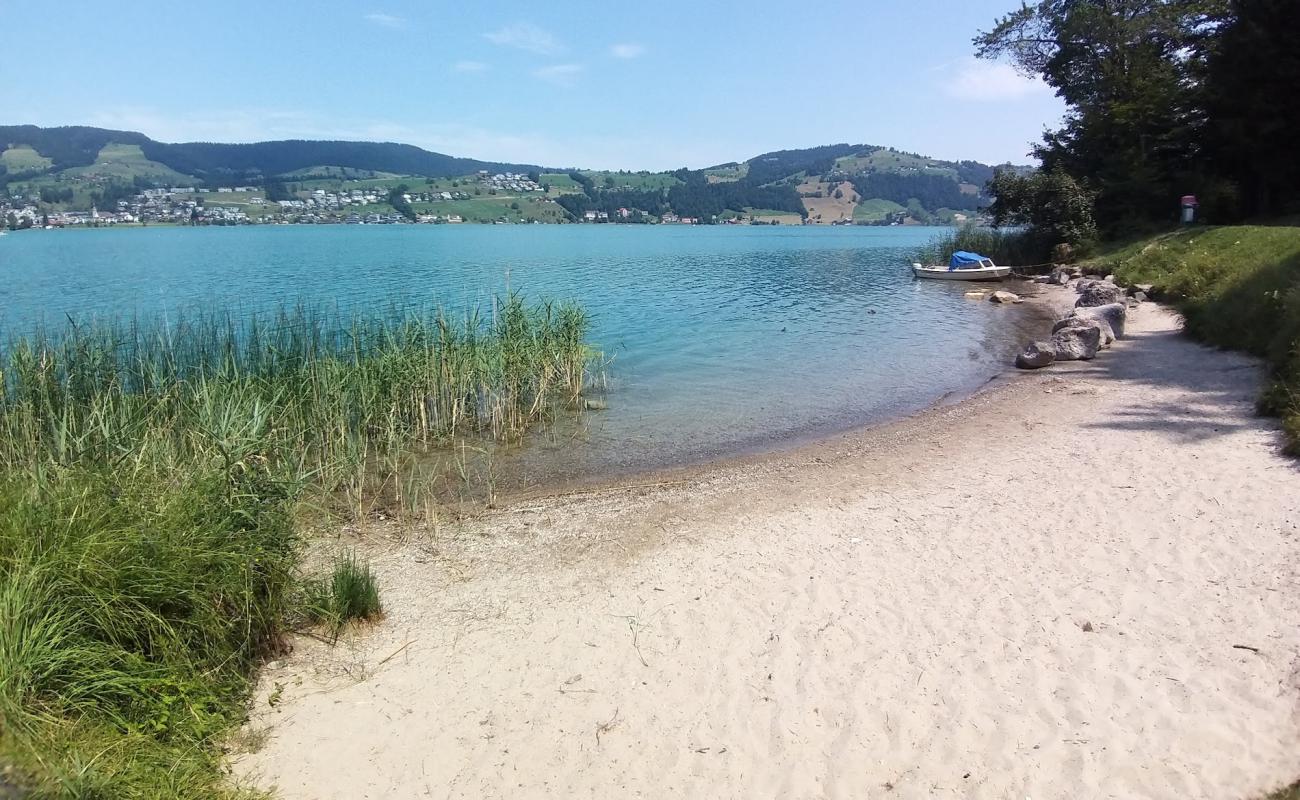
{"x": 1040, "y": 300}
{"x": 1036, "y": 591}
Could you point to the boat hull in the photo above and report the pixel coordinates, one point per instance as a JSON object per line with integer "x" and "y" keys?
{"x": 945, "y": 274}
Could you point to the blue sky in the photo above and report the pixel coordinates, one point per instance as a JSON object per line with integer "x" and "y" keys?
{"x": 653, "y": 85}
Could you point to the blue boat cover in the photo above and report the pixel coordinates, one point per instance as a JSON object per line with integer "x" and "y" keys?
{"x": 963, "y": 260}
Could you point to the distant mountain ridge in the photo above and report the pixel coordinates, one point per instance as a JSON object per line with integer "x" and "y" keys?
{"x": 841, "y": 183}
{"x": 77, "y": 146}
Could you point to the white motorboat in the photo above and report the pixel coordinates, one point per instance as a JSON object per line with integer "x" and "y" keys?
{"x": 963, "y": 267}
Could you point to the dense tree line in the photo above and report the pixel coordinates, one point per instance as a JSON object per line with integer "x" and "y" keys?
{"x": 933, "y": 191}
{"x": 650, "y": 201}
{"x": 79, "y": 146}
{"x": 780, "y": 164}
{"x": 1165, "y": 98}
{"x": 694, "y": 196}
{"x": 397, "y": 199}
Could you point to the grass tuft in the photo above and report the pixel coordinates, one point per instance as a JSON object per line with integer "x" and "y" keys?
{"x": 348, "y": 593}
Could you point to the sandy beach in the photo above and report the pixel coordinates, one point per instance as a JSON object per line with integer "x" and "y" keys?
{"x": 1081, "y": 582}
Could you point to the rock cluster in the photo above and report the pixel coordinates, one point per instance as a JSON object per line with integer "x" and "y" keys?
{"x": 1096, "y": 321}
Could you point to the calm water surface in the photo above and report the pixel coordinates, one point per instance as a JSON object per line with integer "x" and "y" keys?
{"x": 723, "y": 339}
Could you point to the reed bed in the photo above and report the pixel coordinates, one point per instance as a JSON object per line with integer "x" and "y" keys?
{"x": 151, "y": 472}
{"x": 1006, "y": 247}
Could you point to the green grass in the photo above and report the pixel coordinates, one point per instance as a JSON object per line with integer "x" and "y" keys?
{"x": 489, "y": 208}
{"x": 875, "y": 209}
{"x": 22, "y": 158}
{"x": 126, "y": 162}
{"x": 348, "y": 593}
{"x": 724, "y": 174}
{"x": 885, "y": 160}
{"x": 151, "y": 477}
{"x": 1236, "y": 287}
{"x": 560, "y": 182}
{"x": 633, "y": 180}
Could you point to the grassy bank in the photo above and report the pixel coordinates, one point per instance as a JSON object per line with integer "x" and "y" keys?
{"x": 1237, "y": 287}
{"x": 150, "y": 477}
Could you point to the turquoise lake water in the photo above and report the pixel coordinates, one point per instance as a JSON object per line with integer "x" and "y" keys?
{"x": 723, "y": 339}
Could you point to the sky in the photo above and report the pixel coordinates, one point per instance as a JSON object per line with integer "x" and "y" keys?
{"x": 600, "y": 85}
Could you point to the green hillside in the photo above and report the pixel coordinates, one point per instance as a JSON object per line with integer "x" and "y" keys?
{"x": 73, "y": 168}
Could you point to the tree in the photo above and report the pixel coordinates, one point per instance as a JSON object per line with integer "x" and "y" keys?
{"x": 1131, "y": 73}
{"x": 1055, "y": 206}
{"x": 397, "y": 199}
{"x": 1253, "y": 119}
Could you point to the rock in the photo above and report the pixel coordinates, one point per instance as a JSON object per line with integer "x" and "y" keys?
{"x": 1062, "y": 253}
{"x": 1144, "y": 288}
{"x": 1075, "y": 272}
{"x": 1059, "y": 276}
{"x": 1113, "y": 313}
{"x": 1077, "y": 343}
{"x": 1042, "y": 279}
{"x": 1103, "y": 328}
{"x": 1140, "y": 297}
{"x": 1109, "y": 279}
{"x": 1087, "y": 627}
{"x": 1099, "y": 294}
{"x": 596, "y": 405}
{"x": 1004, "y": 297}
{"x": 1036, "y": 355}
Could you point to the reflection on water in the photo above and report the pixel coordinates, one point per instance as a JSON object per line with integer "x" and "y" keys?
{"x": 721, "y": 340}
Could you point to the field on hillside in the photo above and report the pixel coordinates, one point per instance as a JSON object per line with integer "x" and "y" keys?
{"x": 640, "y": 181}
{"x": 827, "y": 208}
{"x": 560, "y": 183}
{"x": 125, "y": 162}
{"x": 24, "y": 159}
{"x": 725, "y": 174}
{"x": 886, "y": 160}
{"x": 490, "y": 209}
{"x": 875, "y": 210}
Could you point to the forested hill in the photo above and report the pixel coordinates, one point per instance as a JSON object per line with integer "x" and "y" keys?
{"x": 839, "y": 183}
{"x": 75, "y": 168}
{"x": 77, "y": 146}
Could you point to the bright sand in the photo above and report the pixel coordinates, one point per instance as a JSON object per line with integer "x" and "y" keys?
{"x": 1034, "y": 593}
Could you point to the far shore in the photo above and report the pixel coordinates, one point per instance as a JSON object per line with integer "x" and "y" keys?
{"x": 1078, "y": 582}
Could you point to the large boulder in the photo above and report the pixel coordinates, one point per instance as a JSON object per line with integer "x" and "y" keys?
{"x": 1113, "y": 313}
{"x": 1059, "y": 276}
{"x": 1103, "y": 328}
{"x": 1099, "y": 293}
{"x": 1036, "y": 355}
{"x": 1077, "y": 343}
{"x": 1004, "y": 297}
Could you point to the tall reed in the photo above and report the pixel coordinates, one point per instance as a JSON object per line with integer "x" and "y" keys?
{"x": 149, "y": 474}
{"x": 1007, "y": 247}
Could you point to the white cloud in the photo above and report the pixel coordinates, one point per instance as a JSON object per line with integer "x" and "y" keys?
{"x": 386, "y": 20}
{"x": 469, "y": 66}
{"x": 627, "y": 50}
{"x": 559, "y": 74}
{"x": 972, "y": 79}
{"x": 528, "y": 37}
